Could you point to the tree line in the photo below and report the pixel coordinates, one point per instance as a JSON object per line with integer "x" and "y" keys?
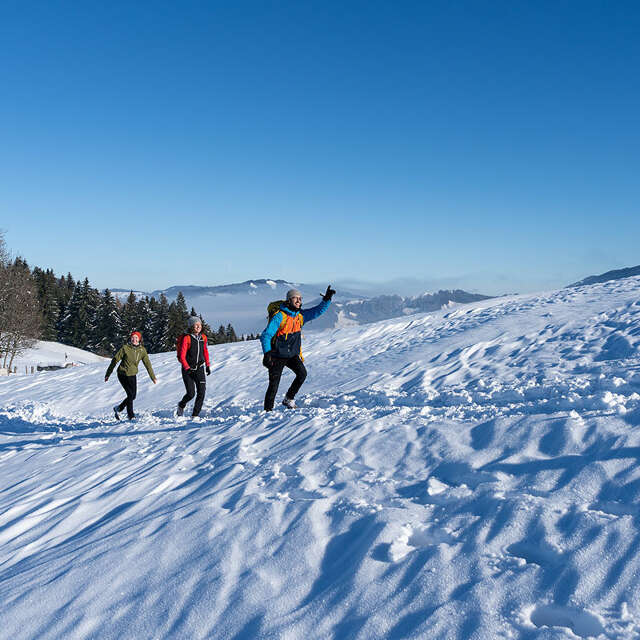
{"x": 37, "y": 304}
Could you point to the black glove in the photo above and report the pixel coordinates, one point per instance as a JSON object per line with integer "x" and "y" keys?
{"x": 329, "y": 293}
{"x": 208, "y": 370}
{"x": 267, "y": 360}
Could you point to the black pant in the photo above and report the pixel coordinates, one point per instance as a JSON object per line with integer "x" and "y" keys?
{"x": 194, "y": 381}
{"x": 275, "y": 372}
{"x": 130, "y": 386}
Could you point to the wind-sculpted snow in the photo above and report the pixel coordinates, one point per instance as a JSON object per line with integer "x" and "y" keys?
{"x": 472, "y": 473}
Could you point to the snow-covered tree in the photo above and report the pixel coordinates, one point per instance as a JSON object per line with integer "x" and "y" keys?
{"x": 160, "y": 327}
{"x": 108, "y": 331}
{"x": 178, "y": 316}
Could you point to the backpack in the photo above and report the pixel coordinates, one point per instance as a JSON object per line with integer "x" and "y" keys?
{"x": 274, "y": 307}
{"x": 179, "y": 342}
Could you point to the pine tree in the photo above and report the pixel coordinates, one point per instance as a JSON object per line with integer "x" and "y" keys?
{"x": 48, "y": 298}
{"x": 160, "y": 327}
{"x": 206, "y": 329}
{"x": 75, "y": 326}
{"x": 92, "y": 300}
{"x": 64, "y": 292}
{"x": 129, "y": 316}
{"x": 150, "y": 339}
{"x": 108, "y": 326}
{"x": 144, "y": 319}
{"x": 67, "y": 286}
{"x": 220, "y": 335}
{"x": 20, "y": 265}
{"x": 230, "y": 334}
{"x": 178, "y": 316}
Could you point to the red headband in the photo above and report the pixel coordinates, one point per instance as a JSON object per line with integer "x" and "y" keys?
{"x": 136, "y": 333}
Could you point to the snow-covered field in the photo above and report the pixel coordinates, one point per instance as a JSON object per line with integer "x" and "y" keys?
{"x": 472, "y": 473}
{"x": 53, "y": 353}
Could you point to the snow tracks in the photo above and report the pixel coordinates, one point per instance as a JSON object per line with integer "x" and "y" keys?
{"x": 465, "y": 474}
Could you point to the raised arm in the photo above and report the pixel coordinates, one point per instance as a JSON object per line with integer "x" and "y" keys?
{"x": 319, "y": 309}
{"x": 314, "y": 312}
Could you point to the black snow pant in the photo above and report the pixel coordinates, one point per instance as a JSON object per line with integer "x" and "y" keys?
{"x": 130, "y": 386}
{"x": 195, "y": 382}
{"x": 275, "y": 372}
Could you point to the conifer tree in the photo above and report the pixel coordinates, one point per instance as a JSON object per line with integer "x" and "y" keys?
{"x": 64, "y": 292}
{"x": 150, "y": 338}
{"x": 144, "y": 319}
{"x": 20, "y": 266}
{"x": 129, "y": 316}
{"x": 68, "y": 286}
{"x": 108, "y": 330}
{"x": 178, "y": 316}
{"x": 206, "y": 329}
{"x": 48, "y": 299}
{"x": 160, "y": 327}
{"x": 220, "y": 335}
{"x": 181, "y": 307}
{"x": 75, "y": 326}
{"x": 92, "y": 301}
{"x": 230, "y": 334}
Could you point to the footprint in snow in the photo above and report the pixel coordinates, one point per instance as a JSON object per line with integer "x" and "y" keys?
{"x": 583, "y": 624}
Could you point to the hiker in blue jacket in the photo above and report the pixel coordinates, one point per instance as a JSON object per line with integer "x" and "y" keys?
{"x": 281, "y": 342}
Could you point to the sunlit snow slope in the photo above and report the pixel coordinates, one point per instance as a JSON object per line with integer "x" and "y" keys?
{"x": 471, "y": 473}
{"x": 45, "y": 353}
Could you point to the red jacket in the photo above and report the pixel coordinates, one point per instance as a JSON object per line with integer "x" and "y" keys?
{"x": 194, "y": 352}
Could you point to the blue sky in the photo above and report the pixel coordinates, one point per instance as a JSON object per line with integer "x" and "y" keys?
{"x": 492, "y": 146}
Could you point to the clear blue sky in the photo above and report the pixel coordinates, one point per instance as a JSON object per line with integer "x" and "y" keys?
{"x": 493, "y": 146}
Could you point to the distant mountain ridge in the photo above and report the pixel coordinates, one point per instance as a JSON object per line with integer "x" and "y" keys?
{"x": 248, "y": 286}
{"x": 616, "y": 274}
{"x": 392, "y": 306}
{"x": 244, "y": 304}
{"x": 251, "y": 287}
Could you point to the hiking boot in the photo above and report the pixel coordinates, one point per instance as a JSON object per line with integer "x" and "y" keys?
{"x": 290, "y": 403}
{"x": 117, "y": 413}
{"x": 179, "y": 411}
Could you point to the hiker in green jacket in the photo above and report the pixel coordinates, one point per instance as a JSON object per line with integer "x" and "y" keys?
{"x": 129, "y": 356}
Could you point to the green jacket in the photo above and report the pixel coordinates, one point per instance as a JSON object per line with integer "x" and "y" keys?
{"x": 131, "y": 357}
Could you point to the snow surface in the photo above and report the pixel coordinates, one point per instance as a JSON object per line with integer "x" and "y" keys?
{"x": 471, "y": 473}
{"x": 46, "y": 353}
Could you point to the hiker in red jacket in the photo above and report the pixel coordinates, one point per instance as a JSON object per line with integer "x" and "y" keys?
{"x": 194, "y": 358}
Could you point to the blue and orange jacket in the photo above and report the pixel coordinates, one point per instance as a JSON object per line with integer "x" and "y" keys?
{"x": 285, "y": 326}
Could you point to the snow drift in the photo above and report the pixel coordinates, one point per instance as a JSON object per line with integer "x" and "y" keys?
{"x": 471, "y": 473}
